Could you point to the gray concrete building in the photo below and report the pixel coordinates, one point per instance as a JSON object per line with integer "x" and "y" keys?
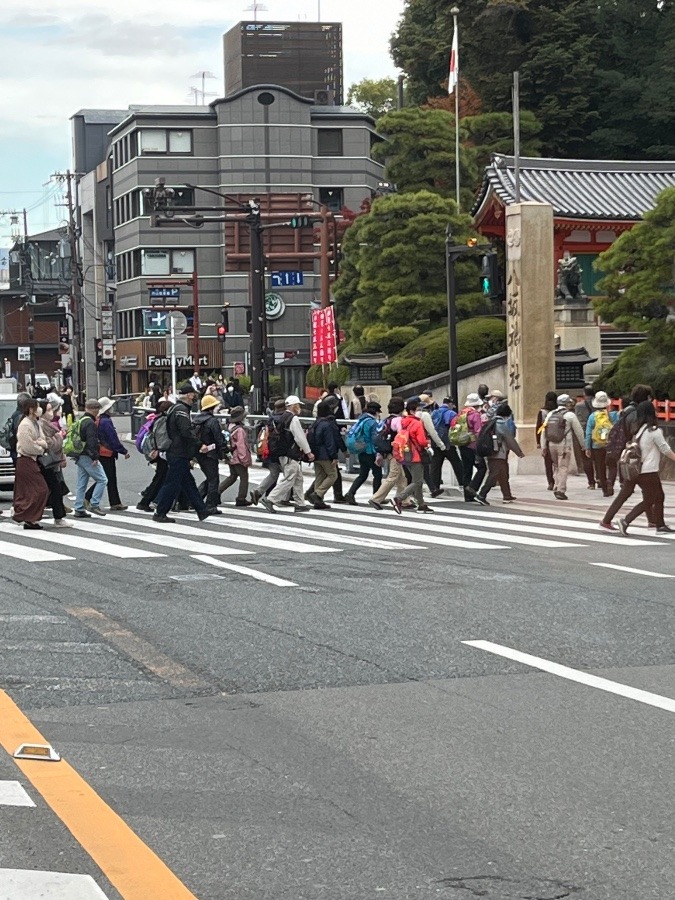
{"x": 264, "y": 141}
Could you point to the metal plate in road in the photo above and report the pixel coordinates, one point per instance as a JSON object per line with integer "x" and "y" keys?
{"x": 179, "y": 321}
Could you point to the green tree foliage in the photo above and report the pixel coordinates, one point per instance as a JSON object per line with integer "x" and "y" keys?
{"x": 598, "y": 73}
{"x": 650, "y": 363}
{"x": 638, "y": 283}
{"x": 392, "y": 285}
{"x": 320, "y": 376}
{"x": 427, "y": 355}
{"x": 492, "y": 132}
{"x": 373, "y": 96}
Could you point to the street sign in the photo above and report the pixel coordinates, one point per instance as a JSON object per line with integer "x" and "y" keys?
{"x": 179, "y": 321}
{"x": 290, "y": 278}
{"x": 155, "y": 321}
{"x": 23, "y": 354}
{"x": 107, "y": 348}
{"x": 106, "y": 322}
{"x": 180, "y": 344}
{"x": 163, "y": 293}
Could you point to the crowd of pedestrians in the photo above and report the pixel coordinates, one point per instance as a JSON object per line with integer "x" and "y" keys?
{"x": 399, "y": 451}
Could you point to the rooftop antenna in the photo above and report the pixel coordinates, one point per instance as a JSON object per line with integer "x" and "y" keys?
{"x": 256, "y": 7}
{"x": 203, "y": 93}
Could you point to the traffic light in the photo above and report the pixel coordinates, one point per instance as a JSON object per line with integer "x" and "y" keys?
{"x": 224, "y": 325}
{"x": 101, "y": 364}
{"x": 301, "y": 221}
{"x": 490, "y": 280}
{"x": 249, "y": 320}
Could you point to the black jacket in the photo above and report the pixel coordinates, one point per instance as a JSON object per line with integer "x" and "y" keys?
{"x": 208, "y": 427}
{"x": 326, "y": 439}
{"x": 184, "y": 442}
{"x": 89, "y": 434}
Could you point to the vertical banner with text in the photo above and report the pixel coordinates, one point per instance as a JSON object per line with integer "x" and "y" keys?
{"x": 324, "y": 344}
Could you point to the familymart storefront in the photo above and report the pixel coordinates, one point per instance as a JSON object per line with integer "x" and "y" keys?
{"x": 139, "y": 362}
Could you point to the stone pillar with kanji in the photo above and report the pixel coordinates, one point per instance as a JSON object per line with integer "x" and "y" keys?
{"x": 529, "y": 318}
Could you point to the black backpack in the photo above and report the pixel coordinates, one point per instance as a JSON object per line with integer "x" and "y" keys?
{"x": 486, "y": 445}
{"x": 280, "y": 440}
{"x": 383, "y": 437}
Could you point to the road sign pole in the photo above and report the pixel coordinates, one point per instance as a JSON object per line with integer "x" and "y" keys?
{"x": 173, "y": 355}
{"x": 195, "y": 316}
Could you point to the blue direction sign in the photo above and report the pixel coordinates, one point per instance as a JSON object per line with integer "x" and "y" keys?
{"x": 155, "y": 321}
{"x": 164, "y": 293}
{"x": 287, "y": 279}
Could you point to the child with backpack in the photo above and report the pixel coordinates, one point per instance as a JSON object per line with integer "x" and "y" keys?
{"x": 561, "y": 426}
{"x": 240, "y": 457}
{"x": 598, "y": 428}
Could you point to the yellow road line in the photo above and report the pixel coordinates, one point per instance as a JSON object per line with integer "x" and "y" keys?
{"x": 128, "y": 863}
{"x": 140, "y": 650}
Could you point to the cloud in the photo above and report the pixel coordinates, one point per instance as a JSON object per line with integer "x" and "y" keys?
{"x": 124, "y": 37}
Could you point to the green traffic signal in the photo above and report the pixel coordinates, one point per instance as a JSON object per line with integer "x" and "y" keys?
{"x": 300, "y": 221}
{"x": 486, "y": 287}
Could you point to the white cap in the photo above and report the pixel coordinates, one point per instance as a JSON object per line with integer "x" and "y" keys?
{"x": 292, "y": 400}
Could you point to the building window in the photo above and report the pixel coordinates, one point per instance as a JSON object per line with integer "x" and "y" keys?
{"x": 329, "y": 141}
{"x": 167, "y": 262}
{"x": 165, "y": 140}
{"x": 181, "y": 197}
{"x": 332, "y": 198}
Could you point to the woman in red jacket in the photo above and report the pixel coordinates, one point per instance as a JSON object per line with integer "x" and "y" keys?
{"x": 418, "y": 446}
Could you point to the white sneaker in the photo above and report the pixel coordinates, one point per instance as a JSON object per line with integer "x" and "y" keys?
{"x": 62, "y": 523}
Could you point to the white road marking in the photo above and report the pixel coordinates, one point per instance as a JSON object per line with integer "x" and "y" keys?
{"x": 12, "y": 793}
{"x": 30, "y": 554}
{"x": 525, "y": 523}
{"x": 357, "y": 529}
{"x": 594, "y": 681}
{"x": 244, "y": 570}
{"x": 52, "y": 620}
{"x": 256, "y": 542}
{"x": 27, "y": 884}
{"x": 76, "y": 542}
{"x": 420, "y": 522}
{"x": 633, "y": 571}
{"x": 175, "y": 543}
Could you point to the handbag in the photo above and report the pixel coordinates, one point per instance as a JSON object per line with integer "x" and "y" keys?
{"x": 50, "y": 458}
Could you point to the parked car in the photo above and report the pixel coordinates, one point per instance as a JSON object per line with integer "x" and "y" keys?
{"x": 7, "y": 407}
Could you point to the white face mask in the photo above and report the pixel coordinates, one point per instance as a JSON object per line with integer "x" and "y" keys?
{"x": 38, "y": 412}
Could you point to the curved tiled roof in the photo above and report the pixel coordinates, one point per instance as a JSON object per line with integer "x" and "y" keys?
{"x": 577, "y": 188}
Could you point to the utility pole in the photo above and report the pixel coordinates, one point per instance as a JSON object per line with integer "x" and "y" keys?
{"x": 259, "y": 375}
{"x": 75, "y": 283}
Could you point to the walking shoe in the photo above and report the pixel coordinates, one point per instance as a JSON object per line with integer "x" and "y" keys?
{"x": 205, "y": 513}
{"x": 62, "y": 523}
{"x": 550, "y": 487}
{"x": 339, "y": 500}
{"x": 351, "y": 500}
{"x": 302, "y": 508}
{"x": 397, "y": 504}
{"x": 608, "y": 526}
{"x": 32, "y": 526}
{"x": 144, "y": 507}
{"x": 437, "y": 492}
{"x": 164, "y": 519}
{"x": 67, "y": 509}
{"x": 312, "y": 497}
{"x": 560, "y": 496}
{"x": 375, "y": 504}
{"x": 665, "y": 529}
{"x": 255, "y": 497}
{"x": 240, "y": 501}
{"x": 509, "y": 499}
{"x": 608, "y": 493}
{"x": 268, "y": 506}
{"x": 96, "y": 510}
{"x": 623, "y": 526}
{"x": 321, "y": 505}
{"x": 119, "y": 506}
{"x": 481, "y": 500}
{"x": 591, "y": 487}
{"x": 214, "y": 511}
{"x": 285, "y": 503}
{"x": 81, "y": 514}
{"x": 425, "y": 508}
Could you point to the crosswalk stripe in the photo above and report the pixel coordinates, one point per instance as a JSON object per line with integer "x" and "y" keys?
{"x": 30, "y": 554}
{"x": 22, "y": 884}
{"x": 339, "y": 524}
{"x": 176, "y": 543}
{"x": 76, "y": 542}
{"x": 427, "y": 526}
{"x": 244, "y": 570}
{"x": 306, "y": 532}
{"x": 206, "y": 534}
{"x": 524, "y": 523}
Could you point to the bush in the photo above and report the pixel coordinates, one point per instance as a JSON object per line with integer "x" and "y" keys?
{"x": 427, "y": 355}
{"x": 651, "y": 363}
{"x": 319, "y": 376}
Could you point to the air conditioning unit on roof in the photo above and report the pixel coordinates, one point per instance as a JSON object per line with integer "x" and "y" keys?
{"x": 324, "y": 97}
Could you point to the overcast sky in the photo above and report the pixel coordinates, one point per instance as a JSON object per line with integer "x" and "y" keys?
{"x": 59, "y": 56}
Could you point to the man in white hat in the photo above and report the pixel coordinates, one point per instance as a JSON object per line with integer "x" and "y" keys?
{"x": 288, "y": 443}
{"x": 560, "y": 427}
{"x": 464, "y": 432}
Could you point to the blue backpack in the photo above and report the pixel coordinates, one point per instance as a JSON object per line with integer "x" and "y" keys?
{"x": 355, "y": 439}
{"x": 441, "y": 418}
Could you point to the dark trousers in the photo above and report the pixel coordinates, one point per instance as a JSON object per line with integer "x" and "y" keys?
{"x": 548, "y": 468}
{"x": 367, "y": 465}
{"x": 337, "y": 486}
{"x": 652, "y": 499}
{"x": 110, "y": 468}
{"x": 436, "y": 466}
{"x": 583, "y": 462}
{"x": 178, "y": 478}
{"x": 627, "y": 489}
{"x": 470, "y": 461}
{"x": 605, "y": 469}
{"x": 54, "y": 484}
{"x": 237, "y": 471}
{"x": 151, "y": 491}
{"x": 208, "y": 489}
{"x": 498, "y": 473}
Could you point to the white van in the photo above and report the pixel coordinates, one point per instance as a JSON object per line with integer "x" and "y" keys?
{"x": 7, "y": 407}
{"x": 41, "y": 380}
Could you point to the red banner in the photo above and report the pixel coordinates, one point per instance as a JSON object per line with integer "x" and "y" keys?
{"x": 324, "y": 344}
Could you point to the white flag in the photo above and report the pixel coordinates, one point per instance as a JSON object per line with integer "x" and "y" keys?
{"x": 453, "y": 78}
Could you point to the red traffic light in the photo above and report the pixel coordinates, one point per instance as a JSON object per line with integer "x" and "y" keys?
{"x": 221, "y": 332}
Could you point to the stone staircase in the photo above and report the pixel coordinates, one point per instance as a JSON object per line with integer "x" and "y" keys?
{"x": 613, "y": 343}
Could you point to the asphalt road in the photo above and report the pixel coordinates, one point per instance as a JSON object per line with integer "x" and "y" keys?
{"x": 336, "y": 738}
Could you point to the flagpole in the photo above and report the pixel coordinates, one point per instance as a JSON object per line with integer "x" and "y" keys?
{"x": 455, "y": 42}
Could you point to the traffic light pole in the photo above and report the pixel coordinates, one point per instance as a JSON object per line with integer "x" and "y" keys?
{"x": 259, "y": 378}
